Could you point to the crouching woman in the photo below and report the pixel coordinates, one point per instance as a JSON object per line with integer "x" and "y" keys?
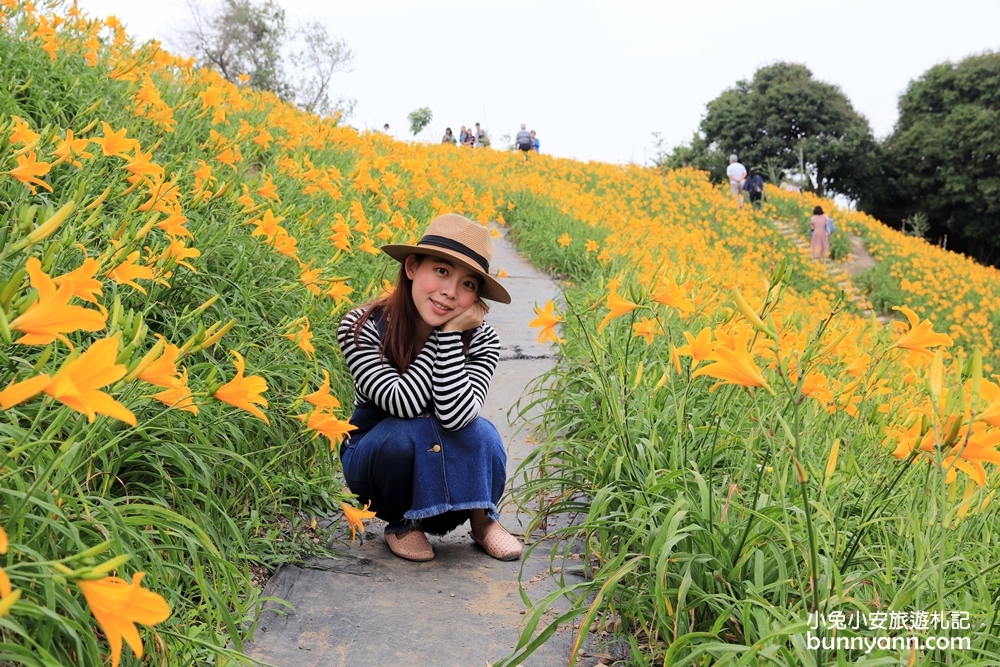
{"x": 422, "y": 359}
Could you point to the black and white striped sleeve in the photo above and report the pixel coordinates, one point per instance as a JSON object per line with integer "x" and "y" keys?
{"x": 460, "y": 382}
{"x": 403, "y": 395}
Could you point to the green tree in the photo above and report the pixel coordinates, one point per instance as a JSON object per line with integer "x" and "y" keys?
{"x": 419, "y": 119}
{"x": 942, "y": 158}
{"x": 784, "y": 117}
{"x": 251, "y": 38}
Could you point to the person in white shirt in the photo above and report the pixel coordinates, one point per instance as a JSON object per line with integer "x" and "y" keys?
{"x": 737, "y": 174}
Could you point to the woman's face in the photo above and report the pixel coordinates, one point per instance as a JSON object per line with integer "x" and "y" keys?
{"x": 441, "y": 289}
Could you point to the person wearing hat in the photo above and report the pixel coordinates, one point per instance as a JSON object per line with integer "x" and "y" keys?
{"x": 422, "y": 359}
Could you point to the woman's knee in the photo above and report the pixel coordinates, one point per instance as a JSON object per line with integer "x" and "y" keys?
{"x": 483, "y": 432}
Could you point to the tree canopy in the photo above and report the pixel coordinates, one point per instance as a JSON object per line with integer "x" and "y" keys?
{"x": 788, "y": 120}
{"x": 250, "y": 39}
{"x": 419, "y": 119}
{"x": 942, "y": 158}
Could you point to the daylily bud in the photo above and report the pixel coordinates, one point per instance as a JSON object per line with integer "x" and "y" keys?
{"x": 100, "y": 200}
{"x": 203, "y": 307}
{"x": 216, "y": 337}
{"x": 977, "y": 372}
{"x": 831, "y": 461}
{"x": 935, "y": 376}
{"x": 4, "y": 327}
{"x": 102, "y": 569}
{"x": 96, "y": 550}
{"x": 662, "y": 381}
{"x": 749, "y": 313}
{"x": 148, "y": 226}
{"x": 8, "y": 602}
{"x": 47, "y": 228}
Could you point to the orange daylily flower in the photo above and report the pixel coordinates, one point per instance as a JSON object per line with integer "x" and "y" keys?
{"x": 178, "y": 395}
{"x": 243, "y": 392}
{"x": 22, "y": 134}
{"x": 286, "y": 244}
{"x": 815, "y": 386}
{"x": 310, "y": 278}
{"x": 547, "y": 320}
{"x": 699, "y": 348}
{"x": 176, "y": 252}
{"x": 921, "y": 334}
{"x": 303, "y": 338}
{"x": 51, "y": 316}
{"x": 671, "y": 294}
{"x": 142, "y": 165}
{"x": 69, "y": 147}
{"x": 355, "y": 517}
{"x": 269, "y": 190}
{"x": 248, "y": 203}
{"x": 648, "y": 329}
{"x": 115, "y": 143}
{"x": 338, "y": 291}
{"x": 28, "y": 170}
{"x": 128, "y": 272}
{"x": 78, "y": 381}
{"x": 617, "y": 307}
{"x": 18, "y": 392}
{"x": 322, "y": 398}
{"x": 85, "y": 286}
{"x": 162, "y": 372}
{"x": 326, "y": 424}
{"x": 991, "y": 413}
{"x": 734, "y": 366}
{"x": 269, "y": 226}
{"x": 565, "y": 240}
{"x": 118, "y": 606}
{"x": 174, "y": 223}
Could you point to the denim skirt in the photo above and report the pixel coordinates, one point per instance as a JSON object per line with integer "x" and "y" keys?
{"x": 415, "y": 471}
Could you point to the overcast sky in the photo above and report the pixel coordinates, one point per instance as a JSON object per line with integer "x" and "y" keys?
{"x": 596, "y": 79}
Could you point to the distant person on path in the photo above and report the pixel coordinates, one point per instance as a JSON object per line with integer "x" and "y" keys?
{"x": 755, "y": 187}
{"x": 462, "y": 136}
{"x": 470, "y": 138}
{"x": 482, "y": 139}
{"x": 422, "y": 359}
{"x": 448, "y": 137}
{"x": 524, "y": 141}
{"x": 820, "y": 241}
{"x": 385, "y": 128}
{"x": 737, "y": 173}
{"x": 535, "y": 142}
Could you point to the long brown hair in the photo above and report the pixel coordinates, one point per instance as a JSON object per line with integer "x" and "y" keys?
{"x": 400, "y": 343}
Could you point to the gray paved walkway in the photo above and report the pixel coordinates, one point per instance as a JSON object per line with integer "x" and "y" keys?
{"x": 463, "y": 608}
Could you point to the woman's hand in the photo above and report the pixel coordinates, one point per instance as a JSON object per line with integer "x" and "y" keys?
{"x": 468, "y": 319}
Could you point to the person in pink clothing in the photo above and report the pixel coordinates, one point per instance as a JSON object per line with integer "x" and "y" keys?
{"x": 820, "y": 237}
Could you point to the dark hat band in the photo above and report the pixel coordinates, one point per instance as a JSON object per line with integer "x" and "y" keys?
{"x": 450, "y": 244}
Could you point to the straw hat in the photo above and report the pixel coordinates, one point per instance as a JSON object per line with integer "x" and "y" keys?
{"x": 460, "y": 240}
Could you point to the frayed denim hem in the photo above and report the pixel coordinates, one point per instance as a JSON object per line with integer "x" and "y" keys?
{"x": 417, "y": 515}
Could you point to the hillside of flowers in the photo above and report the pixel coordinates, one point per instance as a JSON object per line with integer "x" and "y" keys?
{"x": 176, "y": 251}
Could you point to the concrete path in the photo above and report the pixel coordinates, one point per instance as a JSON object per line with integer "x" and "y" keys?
{"x": 462, "y": 609}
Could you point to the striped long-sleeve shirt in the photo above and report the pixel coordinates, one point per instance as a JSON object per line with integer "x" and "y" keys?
{"x": 441, "y": 379}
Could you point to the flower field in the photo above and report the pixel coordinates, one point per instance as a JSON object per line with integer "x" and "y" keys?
{"x": 175, "y": 254}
